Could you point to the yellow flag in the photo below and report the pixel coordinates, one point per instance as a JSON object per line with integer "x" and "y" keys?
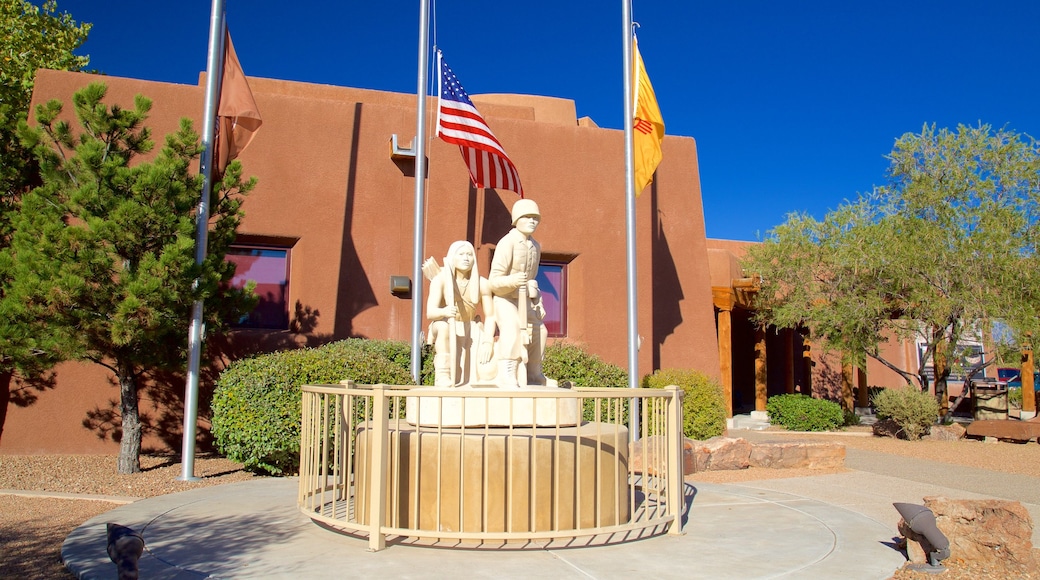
{"x": 648, "y": 126}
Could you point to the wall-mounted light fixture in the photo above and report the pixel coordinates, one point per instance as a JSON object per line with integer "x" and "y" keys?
{"x": 398, "y": 153}
{"x": 400, "y": 285}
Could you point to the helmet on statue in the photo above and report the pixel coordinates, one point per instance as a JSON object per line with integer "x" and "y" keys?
{"x": 525, "y": 207}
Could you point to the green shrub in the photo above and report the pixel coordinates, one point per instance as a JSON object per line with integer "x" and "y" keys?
{"x": 257, "y": 401}
{"x": 704, "y": 407}
{"x": 1014, "y": 397}
{"x": 798, "y": 412}
{"x": 914, "y": 411}
{"x": 569, "y": 362}
{"x": 851, "y": 418}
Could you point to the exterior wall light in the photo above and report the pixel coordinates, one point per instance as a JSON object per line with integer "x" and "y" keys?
{"x": 400, "y": 285}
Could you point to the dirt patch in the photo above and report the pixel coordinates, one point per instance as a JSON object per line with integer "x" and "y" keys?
{"x": 32, "y": 529}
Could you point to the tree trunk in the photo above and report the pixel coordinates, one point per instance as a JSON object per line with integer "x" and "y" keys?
{"x": 130, "y": 445}
{"x": 940, "y": 362}
{"x": 5, "y": 398}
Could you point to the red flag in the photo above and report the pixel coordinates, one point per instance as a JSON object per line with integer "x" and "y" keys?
{"x": 459, "y": 122}
{"x": 238, "y": 117}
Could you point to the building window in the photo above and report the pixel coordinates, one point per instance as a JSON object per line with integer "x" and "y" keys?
{"x": 269, "y": 268}
{"x": 552, "y": 282}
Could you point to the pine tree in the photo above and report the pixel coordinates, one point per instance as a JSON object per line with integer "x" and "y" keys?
{"x": 34, "y": 37}
{"x": 104, "y": 248}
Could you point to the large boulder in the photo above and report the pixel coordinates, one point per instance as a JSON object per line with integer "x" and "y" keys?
{"x": 951, "y": 432}
{"x": 722, "y": 453}
{"x": 797, "y": 454}
{"x": 985, "y": 531}
{"x": 731, "y": 453}
{"x": 637, "y": 463}
{"x": 888, "y": 428}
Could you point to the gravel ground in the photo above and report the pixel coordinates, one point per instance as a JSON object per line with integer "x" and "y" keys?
{"x": 33, "y": 528}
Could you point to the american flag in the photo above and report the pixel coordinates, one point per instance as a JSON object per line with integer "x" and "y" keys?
{"x": 459, "y": 122}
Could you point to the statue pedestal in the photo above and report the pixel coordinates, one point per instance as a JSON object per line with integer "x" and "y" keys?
{"x": 437, "y": 407}
{"x": 501, "y": 480}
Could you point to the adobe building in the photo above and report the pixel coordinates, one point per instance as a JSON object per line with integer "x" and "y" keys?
{"x": 330, "y": 224}
{"x": 334, "y": 210}
{"x": 758, "y": 363}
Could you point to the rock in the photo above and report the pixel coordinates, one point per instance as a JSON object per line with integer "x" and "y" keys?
{"x": 653, "y": 443}
{"x": 984, "y": 530}
{"x": 729, "y": 453}
{"x": 689, "y": 456}
{"x": 951, "y": 432}
{"x": 888, "y": 428}
{"x": 722, "y": 453}
{"x": 797, "y": 454}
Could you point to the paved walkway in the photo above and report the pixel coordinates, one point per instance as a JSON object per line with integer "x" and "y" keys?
{"x": 828, "y": 526}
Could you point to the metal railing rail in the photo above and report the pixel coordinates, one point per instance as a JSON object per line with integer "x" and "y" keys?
{"x": 366, "y": 470}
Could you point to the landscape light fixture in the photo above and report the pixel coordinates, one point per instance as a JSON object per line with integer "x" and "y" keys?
{"x": 125, "y": 547}
{"x": 921, "y": 521}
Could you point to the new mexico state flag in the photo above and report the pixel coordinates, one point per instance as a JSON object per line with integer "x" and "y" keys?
{"x": 648, "y": 126}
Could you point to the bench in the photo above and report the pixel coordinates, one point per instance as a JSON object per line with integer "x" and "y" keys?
{"x": 1005, "y": 429}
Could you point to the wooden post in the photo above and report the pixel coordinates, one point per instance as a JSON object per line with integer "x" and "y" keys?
{"x": 761, "y": 387}
{"x": 862, "y": 394}
{"x": 726, "y": 358}
{"x": 1028, "y": 384}
{"x": 846, "y": 386}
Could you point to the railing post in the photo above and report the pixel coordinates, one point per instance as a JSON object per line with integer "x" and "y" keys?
{"x": 377, "y": 472}
{"x": 305, "y": 444}
{"x": 675, "y": 459}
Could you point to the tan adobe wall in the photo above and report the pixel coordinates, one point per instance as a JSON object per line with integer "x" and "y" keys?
{"x": 327, "y": 185}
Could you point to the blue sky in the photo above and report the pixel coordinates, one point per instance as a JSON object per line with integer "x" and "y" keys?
{"x": 793, "y": 103}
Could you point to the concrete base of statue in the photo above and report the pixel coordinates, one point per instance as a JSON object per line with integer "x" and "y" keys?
{"x": 464, "y": 407}
{"x": 501, "y": 480}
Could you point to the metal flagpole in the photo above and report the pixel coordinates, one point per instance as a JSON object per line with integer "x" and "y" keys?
{"x": 214, "y": 74}
{"x": 630, "y": 223}
{"x": 420, "y": 189}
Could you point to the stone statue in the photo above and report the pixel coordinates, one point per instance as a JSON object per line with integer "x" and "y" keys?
{"x": 517, "y": 301}
{"x": 463, "y": 345}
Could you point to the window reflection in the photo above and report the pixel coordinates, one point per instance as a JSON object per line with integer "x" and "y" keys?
{"x": 552, "y": 282}
{"x": 269, "y": 268}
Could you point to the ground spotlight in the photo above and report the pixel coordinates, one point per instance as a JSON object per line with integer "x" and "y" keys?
{"x": 921, "y": 521}
{"x": 125, "y": 547}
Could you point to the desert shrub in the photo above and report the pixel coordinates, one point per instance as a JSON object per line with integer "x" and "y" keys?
{"x": 704, "y": 407}
{"x": 257, "y": 401}
{"x": 798, "y": 412}
{"x": 913, "y": 410}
